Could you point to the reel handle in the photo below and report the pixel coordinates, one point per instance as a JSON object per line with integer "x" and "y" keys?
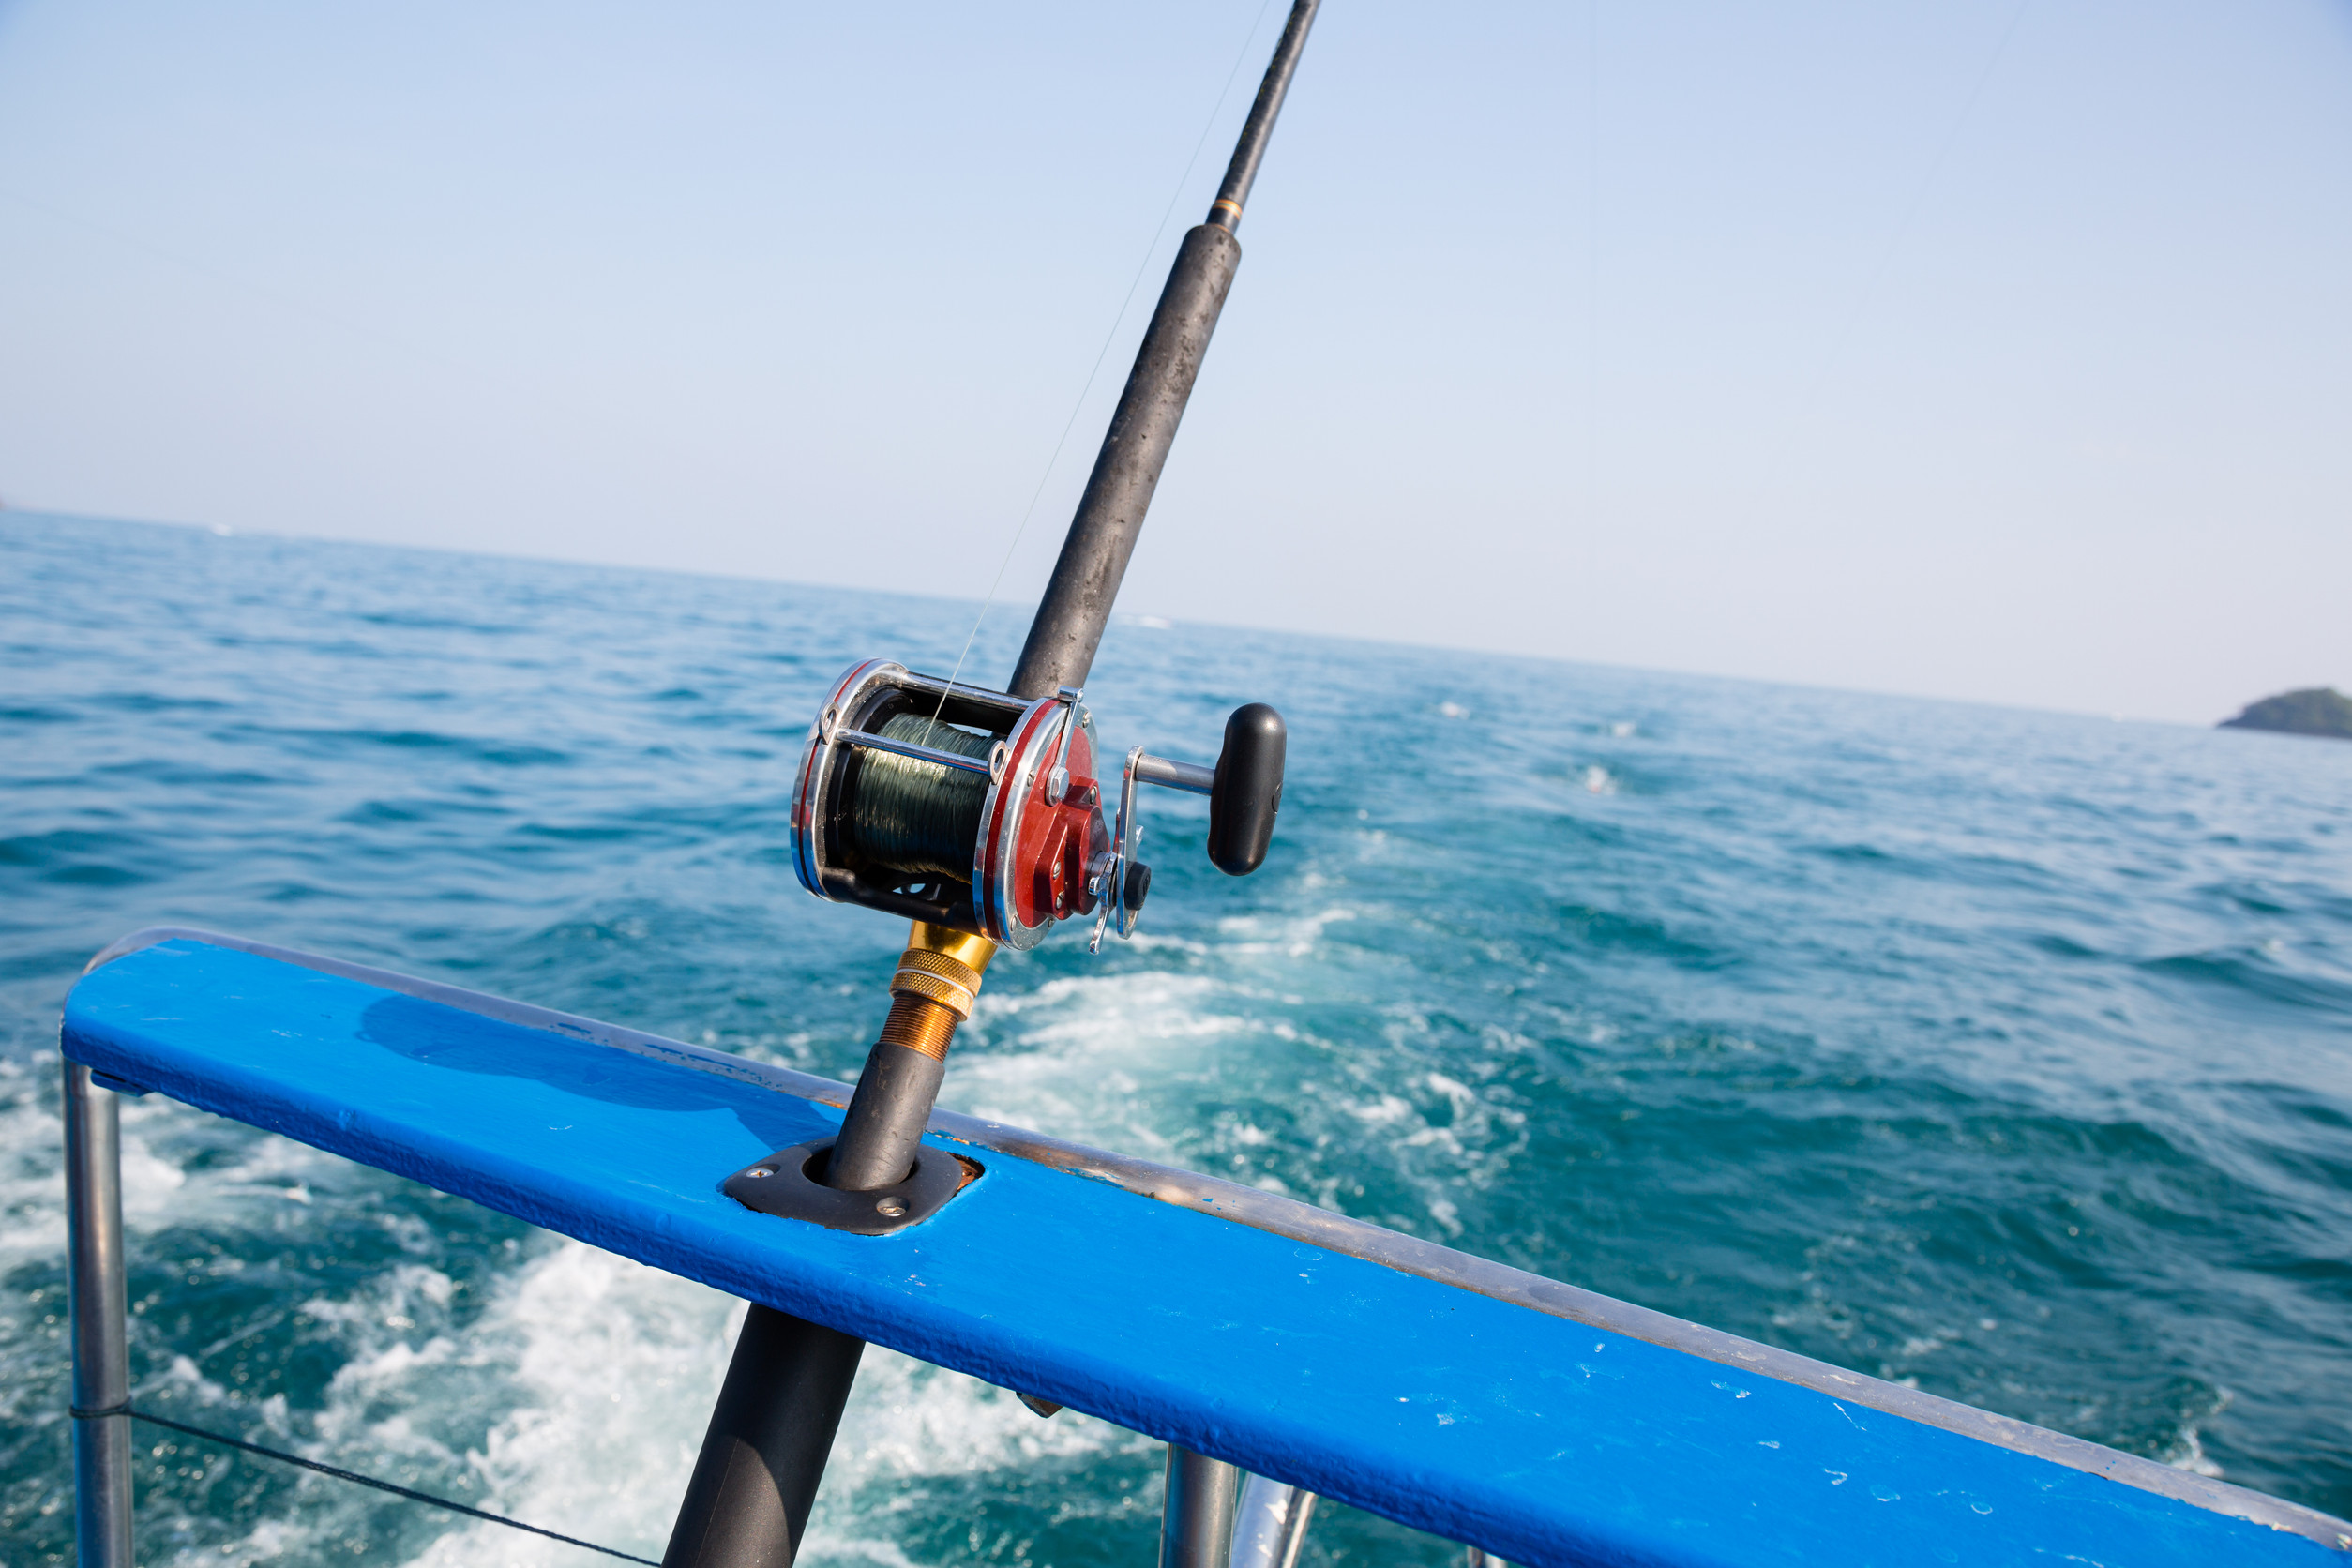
{"x": 1247, "y": 790}
{"x": 1244, "y": 789}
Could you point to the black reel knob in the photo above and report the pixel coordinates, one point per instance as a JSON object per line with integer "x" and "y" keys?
{"x": 1247, "y": 792}
{"x": 1138, "y": 885}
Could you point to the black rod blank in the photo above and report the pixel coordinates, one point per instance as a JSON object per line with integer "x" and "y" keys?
{"x": 1076, "y": 605}
{"x": 769, "y": 1437}
{"x": 1239, "y": 174}
{"x": 756, "y": 1477}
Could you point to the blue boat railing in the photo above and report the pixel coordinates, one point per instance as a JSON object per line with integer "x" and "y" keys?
{"x": 1562, "y": 1426}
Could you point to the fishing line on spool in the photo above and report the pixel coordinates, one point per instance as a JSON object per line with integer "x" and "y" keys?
{"x": 1100, "y": 355}
{"x": 915, "y": 816}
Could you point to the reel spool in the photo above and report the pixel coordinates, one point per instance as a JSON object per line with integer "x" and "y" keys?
{"x": 992, "y": 818}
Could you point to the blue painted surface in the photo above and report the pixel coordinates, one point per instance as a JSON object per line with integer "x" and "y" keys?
{"x": 1540, "y": 1440}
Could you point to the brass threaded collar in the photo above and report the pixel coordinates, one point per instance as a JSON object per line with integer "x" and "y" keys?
{"x": 920, "y": 1024}
{"x": 937, "y": 982}
{"x": 939, "y": 977}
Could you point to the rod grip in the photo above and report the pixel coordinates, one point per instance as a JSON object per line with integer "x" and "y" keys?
{"x": 1248, "y": 789}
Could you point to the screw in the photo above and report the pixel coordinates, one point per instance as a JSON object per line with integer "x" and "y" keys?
{"x": 890, "y": 1208}
{"x": 761, "y": 1170}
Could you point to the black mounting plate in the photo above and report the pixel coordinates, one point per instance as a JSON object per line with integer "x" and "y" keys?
{"x": 786, "y": 1185}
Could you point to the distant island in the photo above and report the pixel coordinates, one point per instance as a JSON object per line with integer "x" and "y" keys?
{"x": 2320, "y": 710}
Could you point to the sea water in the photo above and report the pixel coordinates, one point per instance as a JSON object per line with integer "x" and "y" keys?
{"x": 2004, "y": 1054}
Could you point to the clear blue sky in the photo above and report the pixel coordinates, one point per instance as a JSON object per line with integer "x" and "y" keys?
{"x": 1965, "y": 349}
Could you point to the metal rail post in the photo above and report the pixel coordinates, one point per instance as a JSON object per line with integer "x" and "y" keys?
{"x": 1271, "y": 1526}
{"x": 101, "y": 1341}
{"x": 1197, "y": 1523}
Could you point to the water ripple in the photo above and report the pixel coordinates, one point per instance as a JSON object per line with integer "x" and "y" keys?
{"x": 2005, "y": 1053}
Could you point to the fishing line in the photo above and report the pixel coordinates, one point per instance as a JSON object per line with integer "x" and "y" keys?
{"x": 1100, "y": 355}
{"x": 1592, "y": 288}
{"x": 410, "y": 1493}
{"x": 1919, "y": 195}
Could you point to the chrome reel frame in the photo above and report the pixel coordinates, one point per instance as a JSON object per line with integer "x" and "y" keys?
{"x": 1078, "y": 861}
{"x": 1033, "y": 743}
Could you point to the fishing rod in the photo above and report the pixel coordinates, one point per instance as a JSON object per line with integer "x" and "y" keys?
{"x": 987, "y": 819}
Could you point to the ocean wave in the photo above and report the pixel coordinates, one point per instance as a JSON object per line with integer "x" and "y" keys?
{"x": 1855, "y": 1024}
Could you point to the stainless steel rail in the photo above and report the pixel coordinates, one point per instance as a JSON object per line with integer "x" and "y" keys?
{"x": 101, "y": 1342}
{"x": 1271, "y": 1525}
{"x": 1197, "y": 1518}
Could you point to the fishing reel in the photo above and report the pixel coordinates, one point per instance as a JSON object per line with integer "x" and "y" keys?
{"x": 981, "y": 811}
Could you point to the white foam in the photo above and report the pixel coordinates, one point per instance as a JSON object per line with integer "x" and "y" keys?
{"x": 608, "y": 1370}
{"x": 32, "y": 1204}
{"x": 613, "y": 1368}
{"x": 2189, "y": 1447}
{"x": 1071, "y": 1057}
{"x": 157, "y": 1190}
{"x": 1078, "y": 1056}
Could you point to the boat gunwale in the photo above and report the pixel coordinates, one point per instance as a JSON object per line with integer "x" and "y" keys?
{"x": 1322, "y": 1227}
